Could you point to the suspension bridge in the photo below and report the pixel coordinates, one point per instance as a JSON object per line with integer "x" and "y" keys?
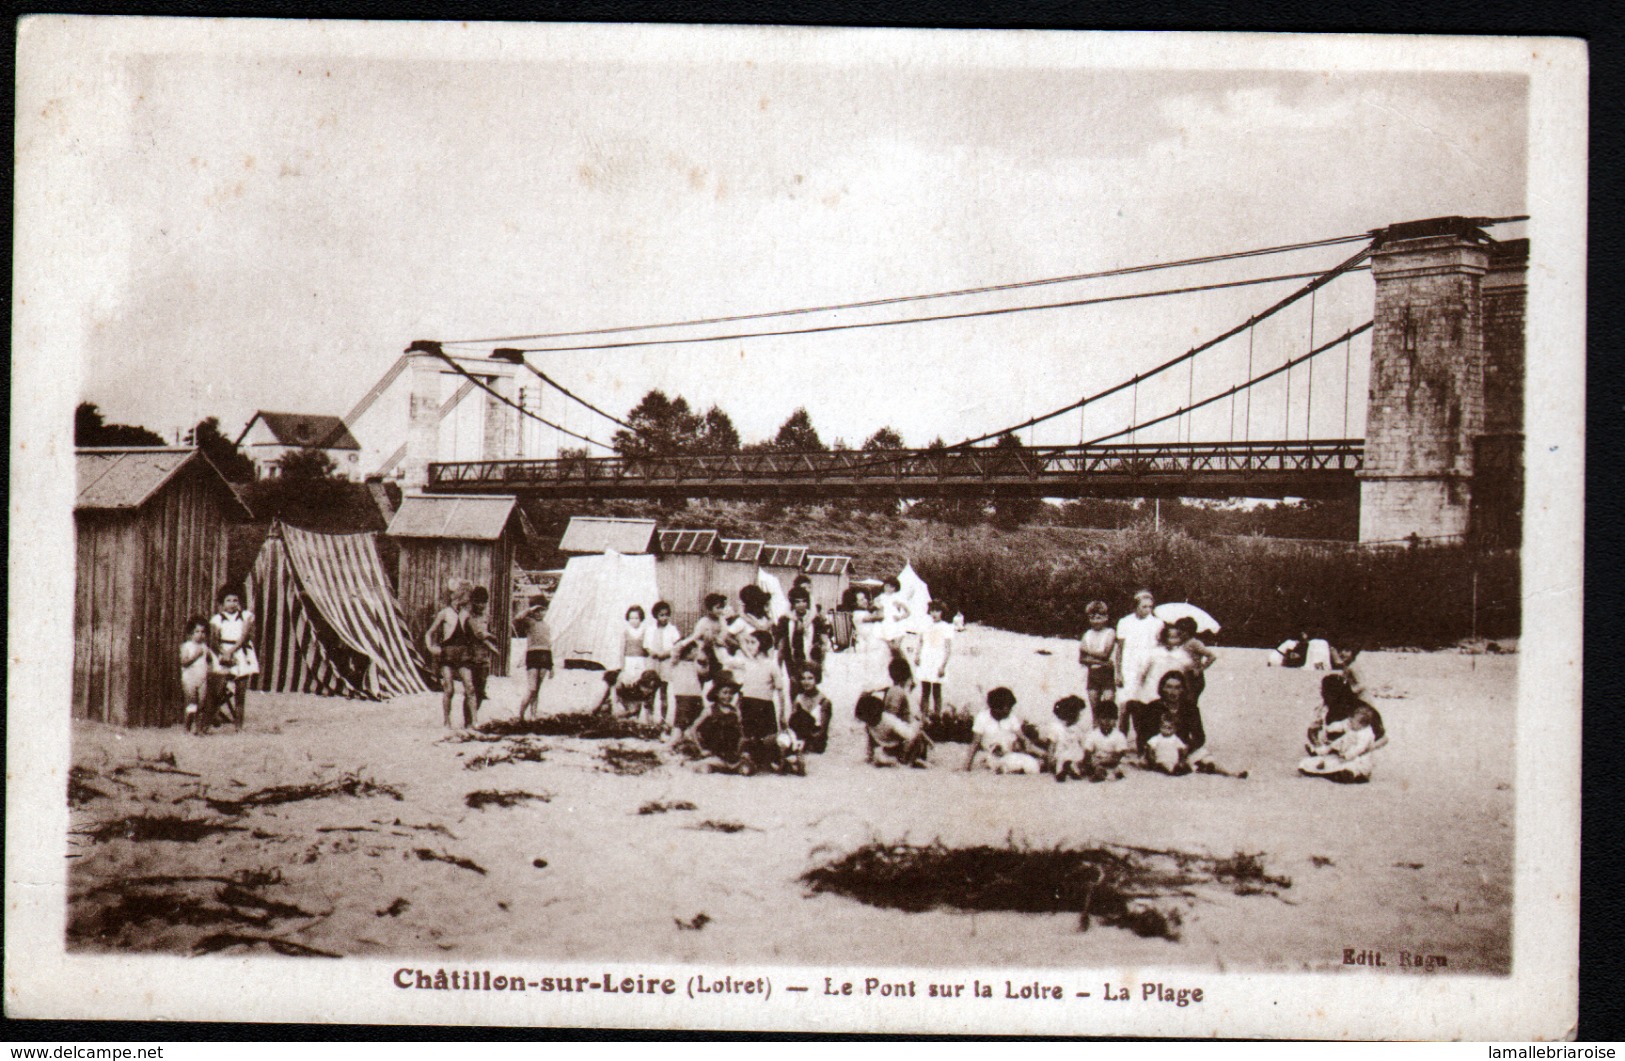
{"x": 1440, "y": 456}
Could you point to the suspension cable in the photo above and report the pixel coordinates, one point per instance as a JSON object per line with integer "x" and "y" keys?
{"x": 1320, "y": 280}
{"x": 1277, "y": 370}
{"x": 927, "y": 319}
{"x": 518, "y": 357}
{"x": 422, "y": 346}
{"x": 895, "y": 300}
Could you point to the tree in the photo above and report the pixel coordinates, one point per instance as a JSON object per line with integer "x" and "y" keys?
{"x": 661, "y": 427}
{"x": 955, "y": 511}
{"x": 221, "y": 451}
{"x": 885, "y": 438}
{"x": 797, "y": 435}
{"x": 306, "y": 465}
{"x": 717, "y": 433}
{"x": 90, "y": 428}
{"x": 1012, "y": 512}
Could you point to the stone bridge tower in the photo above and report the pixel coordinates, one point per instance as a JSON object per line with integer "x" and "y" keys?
{"x": 1444, "y": 419}
{"x": 425, "y": 372}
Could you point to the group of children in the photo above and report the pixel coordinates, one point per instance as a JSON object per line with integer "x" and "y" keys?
{"x": 741, "y": 693}
{"x": 217, "y": 655}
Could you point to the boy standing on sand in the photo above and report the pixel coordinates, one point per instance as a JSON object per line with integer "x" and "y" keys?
{"x": 538, "y": 654}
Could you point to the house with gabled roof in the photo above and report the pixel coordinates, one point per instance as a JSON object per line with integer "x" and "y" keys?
{"x": 269, "y": 436}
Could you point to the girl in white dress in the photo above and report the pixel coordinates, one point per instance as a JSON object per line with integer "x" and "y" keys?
{"x": 231, "y": 640}
{"x": 894, "y": 616}
{"x": 1137, "y": 635}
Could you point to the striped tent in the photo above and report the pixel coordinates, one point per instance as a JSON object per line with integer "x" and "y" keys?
{"x": 327, "y": 619}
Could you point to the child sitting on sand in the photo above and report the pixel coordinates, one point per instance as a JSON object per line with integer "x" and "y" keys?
{"x": 1062, "y": 738}
{"x": 997, "y": 733}
{"x": 1166, "y": 752}
{"x": 892, "y": 741}
{"x": 1349, "y": 758}
{"x": 1105, "y": 746}
{"x": 810, "y": 710}
{"x": 1338, "y": 703}
{"x": 717, "y": 738}
{"x": 896, "y": 695}
{"x": 195, "y": 662}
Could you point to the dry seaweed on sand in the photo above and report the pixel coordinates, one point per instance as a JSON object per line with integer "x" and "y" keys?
{"x": 285, "y": 947}
{"x": 80, "y": 790}
{"x": 1117, "y": 886}
{"x": 490, "y": 797}
{"x": 518, "y": 752}
{"x": 714, "y": 826}
{"x": 656, "y": 806}
{"x": 629, "y": 761}
{"x": 142, "y": 827}
{"x": 107, "y": 910}
{"x": 952, "y": 728}
{"x": 584, "y": 725}
{"x": 426, "y": 855}
{"x": 348, "y": 785}
{"x": 428, "y": 827}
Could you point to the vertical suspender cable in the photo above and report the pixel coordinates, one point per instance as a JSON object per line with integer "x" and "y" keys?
{"x": 1286, "y": 417}
{"x": 1134, "y": 414}
{"x": 1309, "y": 403}
{"x": 1247, "y": 424}
{"x": 1346, "y": 344}
{"x": 1190, "y": 397}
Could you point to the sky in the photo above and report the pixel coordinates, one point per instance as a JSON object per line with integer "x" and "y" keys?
{"x": 271, "y": 229}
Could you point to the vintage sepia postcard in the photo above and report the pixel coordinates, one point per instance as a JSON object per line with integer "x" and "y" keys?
{"x": 796, "y": 529}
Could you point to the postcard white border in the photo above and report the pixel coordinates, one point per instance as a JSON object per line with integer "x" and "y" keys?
{"x": 59, "y": 60}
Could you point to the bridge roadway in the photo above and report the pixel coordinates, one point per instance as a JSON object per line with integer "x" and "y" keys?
{"x": 1318, "y": 468}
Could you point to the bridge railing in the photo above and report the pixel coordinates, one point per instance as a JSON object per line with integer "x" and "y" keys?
{"x": 987, "y": 464}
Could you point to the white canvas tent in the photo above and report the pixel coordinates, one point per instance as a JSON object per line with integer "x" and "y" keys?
{"x": 917, "y": 595}
{"x": 588, "y": 610}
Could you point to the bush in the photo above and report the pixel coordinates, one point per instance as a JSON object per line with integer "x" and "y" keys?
{"x": 1261, "y": 590}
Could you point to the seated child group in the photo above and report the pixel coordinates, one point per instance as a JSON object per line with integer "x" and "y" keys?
{"x": 741, "y": 694}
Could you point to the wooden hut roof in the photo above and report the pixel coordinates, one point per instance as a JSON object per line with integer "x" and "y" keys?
{"x": 783, "y": 555}
{"x": 826, "y": 565}
{"x": 127, "y": 477}
{"x": 741, "y": 550}
{"x": 467, "y": 518}
{"x": 687, "y": 542}
{"x": 597, "y": 534}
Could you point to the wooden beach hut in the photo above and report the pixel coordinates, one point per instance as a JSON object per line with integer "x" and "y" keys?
{"x": 734, "y": 566}
{"x": 783, "y": 562}
{"x": 149, "y": 553}
{"x": 830, "y": 577}
{"x": 683, "y": 572}
{"x": 442, "y": 538}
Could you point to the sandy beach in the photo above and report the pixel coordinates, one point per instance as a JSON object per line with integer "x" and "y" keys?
{"x": 391, "y": 858}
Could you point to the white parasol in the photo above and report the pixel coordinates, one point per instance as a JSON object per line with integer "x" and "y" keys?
{"x": 1172, "y": 613}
